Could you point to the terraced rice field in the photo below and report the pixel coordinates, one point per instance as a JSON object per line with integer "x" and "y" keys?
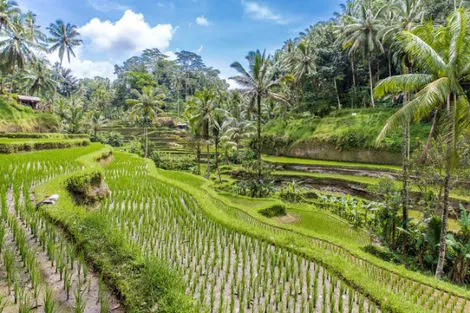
{"x": 224, "y": 268}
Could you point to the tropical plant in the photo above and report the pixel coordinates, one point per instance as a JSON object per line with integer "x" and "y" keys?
{"x": 8, "y": 11}
{"x": 146, "y": 106}
{"x": 444, "y": 61}
{"x": 361, "y": 35}
{"x": 64, "y": 38}
{"x": 38, "y": 79}
{"x": 200, "y": 109}
{"x": 259, "y": 82}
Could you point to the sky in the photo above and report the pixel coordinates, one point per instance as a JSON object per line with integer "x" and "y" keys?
{"x": 222, "y": 31}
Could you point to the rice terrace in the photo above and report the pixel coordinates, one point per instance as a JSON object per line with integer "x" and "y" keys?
{"x": 236, "y": 156}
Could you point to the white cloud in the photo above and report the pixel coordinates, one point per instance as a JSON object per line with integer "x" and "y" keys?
{"x": 261, "y": 12}
{"x": 199, "y": 50}
{"x": 106, "y": 5}
{"x": 126, "y": 36}
{"x": 84, "y": 68}
{"x": 202, "y": 21}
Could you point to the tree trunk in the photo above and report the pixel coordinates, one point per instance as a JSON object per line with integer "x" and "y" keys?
{"x": 258, "y": 98}
{"x": 431, "y": 134}
{"x": 217, "y": 158}
{"x": 445, "y": 207}
{"x": 404, "y": 191}
{"x": 337, "y": 94}
{"x": 146, "y": 141}
{"x": 198, "y": 157}
{"x": 208, "y": 172}
{"x": 371, "y": 83}
{"x": 354, "y": 81}
{"x": 389, "y": 59}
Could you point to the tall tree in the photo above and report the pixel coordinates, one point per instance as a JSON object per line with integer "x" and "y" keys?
{"x": 64, "y": 38}
{"x": 38, "y": 79}
{"x": 361, "y": 36}
{"x": 16, "y": 49}
{"x": 200, "y": 109}
{"x": 259, "y": 82}
{"x": 8, "y": 11}
{"x": 145, "y": 107}
{"x": 445, "y": 63}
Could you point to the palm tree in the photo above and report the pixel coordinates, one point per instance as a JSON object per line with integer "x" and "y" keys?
{"x": 360, "y": 34}
{"x": 16, "y": 50}
{"x": 38, "y": 79}
{"x": 96, "y": 121}
{"x": 32, "y": 29}
{"x": 146, "y": 107}
{"x": 65, "y": 38}
{"x": 301, "y": 62}
{"x": 259, "y": 83}
{"x": 445, "y": 63}
{"x": 236, "y": 130}
{"x": 200, "y": 109}
{"x": 8, "y": 11}
{"x": 402, "y": 15}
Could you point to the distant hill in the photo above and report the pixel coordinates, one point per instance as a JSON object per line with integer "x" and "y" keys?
{"x": 18, "y": 118}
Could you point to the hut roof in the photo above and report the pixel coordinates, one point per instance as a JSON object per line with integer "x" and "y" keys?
{"x": 29, "y": 98}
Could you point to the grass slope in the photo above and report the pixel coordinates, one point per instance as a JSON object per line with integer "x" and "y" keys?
{"x": 325, "y": 163}
{"x": 346, "y": 129}
{"x": 18, "y": 118}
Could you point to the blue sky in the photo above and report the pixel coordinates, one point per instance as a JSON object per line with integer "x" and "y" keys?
{"x": 222, "y": 31}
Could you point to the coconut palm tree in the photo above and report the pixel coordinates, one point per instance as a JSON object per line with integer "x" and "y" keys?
{"x": 64, "y": 38}
{"x": 32, "y": 29}
{"x": 38, "y": 79}
{"x": 146, "y": 107}
{"x": 259, "y": 82}
{"x": 96, "y": 121}
{"x": 236, "y": 130}
{"x": 8, "y": 11}
{"x": 200, "y": 109}
{"x": 445, "y": 64}
{"x": 301, "y": 62}
{"x": 360, "y": 35}
{"x": 16, "y": 50}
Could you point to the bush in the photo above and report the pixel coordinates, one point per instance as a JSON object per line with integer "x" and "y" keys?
{"x": 167, "y": 161}
{"x": 87, "y": 186}
{"x": 43, "y": 135}
{"x": 42, "y": 144}
{"x": 240, "y": 156}
{"x": 274, "y": 211}
{"x": 114, "y": 139}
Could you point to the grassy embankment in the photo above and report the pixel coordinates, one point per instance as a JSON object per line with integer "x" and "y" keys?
{"x": 18, "y": 118}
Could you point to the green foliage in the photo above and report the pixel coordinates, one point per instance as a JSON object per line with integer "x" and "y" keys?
{"x": 168, "y": 161}
{"x": 113, "y": 138}
{"x": 274, "y": 211}
{"x": 87, "y": 186}
{"x": 18, "y": 118}
{"x": 13, "y": 145}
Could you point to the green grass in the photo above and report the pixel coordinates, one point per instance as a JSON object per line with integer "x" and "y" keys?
{"x": 14, "y": 145}
{"x": 347, "y": 129}
{"x": 17, "y": 118}
{"x": 300, "y": 161}
{"x": 240, "y": 214}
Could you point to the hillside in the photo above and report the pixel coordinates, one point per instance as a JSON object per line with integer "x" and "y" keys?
{"x": 351, "y": 132}
{"x": 18, "y": 118}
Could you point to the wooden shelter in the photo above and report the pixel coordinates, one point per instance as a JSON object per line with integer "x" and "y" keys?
{"x": 33, "y": 102}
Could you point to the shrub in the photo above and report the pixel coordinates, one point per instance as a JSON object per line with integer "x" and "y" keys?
{"x": 114, "y": 139}
{"x": 167, "y": 161}
{"x": 274, "y": 211}
{"x": 87, "y": 186}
